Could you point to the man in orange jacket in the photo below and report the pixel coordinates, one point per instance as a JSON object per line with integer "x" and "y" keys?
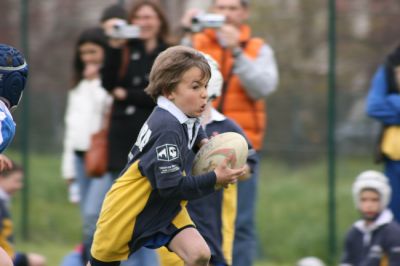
{"x": 250, "y": 74}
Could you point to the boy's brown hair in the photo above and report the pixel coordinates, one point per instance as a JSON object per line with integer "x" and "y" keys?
{"x": 169, "y": 67}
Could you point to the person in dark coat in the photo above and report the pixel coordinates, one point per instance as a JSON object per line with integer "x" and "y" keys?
{"x": 125, "y": 75}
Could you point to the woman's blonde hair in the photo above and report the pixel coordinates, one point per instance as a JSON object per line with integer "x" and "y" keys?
{"x": 169, "y": 67}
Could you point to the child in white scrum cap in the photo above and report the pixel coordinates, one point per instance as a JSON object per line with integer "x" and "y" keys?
{"x": 375, "y": 238}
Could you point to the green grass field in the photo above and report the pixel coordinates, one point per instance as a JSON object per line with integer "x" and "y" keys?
{"x": 291, "y": 214}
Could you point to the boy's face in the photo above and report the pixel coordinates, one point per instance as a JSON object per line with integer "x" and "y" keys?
{"x": 190, "y": 95}
{"x": 13, "y": 182}
{"x": 370, "y": 205}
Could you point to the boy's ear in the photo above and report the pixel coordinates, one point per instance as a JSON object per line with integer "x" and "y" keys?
{"x": 170, "y": 95}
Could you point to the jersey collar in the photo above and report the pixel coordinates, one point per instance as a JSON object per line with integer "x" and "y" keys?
{"x": 384, "y": 218}
{"x": 216, "y": 116}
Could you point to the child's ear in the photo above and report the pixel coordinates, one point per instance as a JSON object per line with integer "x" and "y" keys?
{"x": 170, "y": 95}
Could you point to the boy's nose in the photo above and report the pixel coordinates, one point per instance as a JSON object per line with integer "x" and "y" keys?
{"x": 204, "y": 94}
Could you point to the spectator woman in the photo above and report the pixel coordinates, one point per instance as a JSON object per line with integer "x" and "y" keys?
{"x": 87, "y": 104}
{"x": 125, "y": 75}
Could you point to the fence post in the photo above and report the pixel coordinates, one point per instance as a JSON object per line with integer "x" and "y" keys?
{"x": 24, "y": 39}
{"x": 331, "y": 112}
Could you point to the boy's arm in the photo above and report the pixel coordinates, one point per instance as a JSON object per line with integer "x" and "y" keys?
{"x": 191, "y": 187}
{"x": 347, "y": 258}
{"x": 393, "y": 248}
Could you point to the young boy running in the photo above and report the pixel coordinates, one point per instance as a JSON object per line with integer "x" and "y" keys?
{"x": 146, "y": 204}
{"x": 215, "y": 214}
{"x": 375, "y": 239}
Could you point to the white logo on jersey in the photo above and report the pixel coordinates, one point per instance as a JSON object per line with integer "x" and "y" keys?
{"x": 144, "y": 136}
{"x": 167, "y": 152}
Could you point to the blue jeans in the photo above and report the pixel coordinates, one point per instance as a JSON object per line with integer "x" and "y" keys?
{"x": 92, "y": 193}
{"x": 245, "y": 243}
{"x": 73, "y": 258}
{"x": 392, "y": 171}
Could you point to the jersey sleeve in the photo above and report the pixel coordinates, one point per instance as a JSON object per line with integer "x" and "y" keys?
{"x": 347, "y": 258}
{"x": 7, "y": 127}
{"x": 392, "y": 245}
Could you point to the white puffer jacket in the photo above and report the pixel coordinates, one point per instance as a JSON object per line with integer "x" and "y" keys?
{"x": 87, "y": 104}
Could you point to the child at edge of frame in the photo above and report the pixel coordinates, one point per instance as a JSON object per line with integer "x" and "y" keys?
{"x": 373, "y": 240}
{"x": 146, "y": 204}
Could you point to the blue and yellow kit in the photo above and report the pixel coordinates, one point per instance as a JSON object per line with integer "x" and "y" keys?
{"x": 146, "y": 204}
{"x": 377, "y": 244}
{"x": 214, "y": 215}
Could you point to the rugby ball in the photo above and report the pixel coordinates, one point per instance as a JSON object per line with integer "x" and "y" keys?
{"x": 217, "y": 149}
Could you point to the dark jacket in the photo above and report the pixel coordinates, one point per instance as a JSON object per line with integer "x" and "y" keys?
{"x": 128, "y": 68}
{"x": 373, "y": 246}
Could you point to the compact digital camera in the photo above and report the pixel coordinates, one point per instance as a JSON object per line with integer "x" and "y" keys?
{"x": 124, "y": 31}
{"x": 205, "y": 21}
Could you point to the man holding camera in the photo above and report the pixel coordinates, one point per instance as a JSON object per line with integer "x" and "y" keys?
{"x": 250, "y": 74}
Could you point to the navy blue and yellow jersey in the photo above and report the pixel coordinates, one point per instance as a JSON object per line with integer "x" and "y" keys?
{"x": 149, "y": 198}
{"x": 214, "y": 215}
{"x": 6, "y": 229}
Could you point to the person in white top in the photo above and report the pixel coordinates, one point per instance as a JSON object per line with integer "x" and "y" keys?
{"x": 88, "y": 102}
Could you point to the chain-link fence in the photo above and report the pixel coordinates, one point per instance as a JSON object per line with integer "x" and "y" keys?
{"x": 297, "y": 31}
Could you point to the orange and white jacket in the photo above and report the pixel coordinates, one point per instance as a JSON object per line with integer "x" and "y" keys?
{"x": 249, "y": 78}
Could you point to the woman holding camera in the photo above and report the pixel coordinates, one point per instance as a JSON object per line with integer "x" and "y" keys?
{"x": 125, "y": 75}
